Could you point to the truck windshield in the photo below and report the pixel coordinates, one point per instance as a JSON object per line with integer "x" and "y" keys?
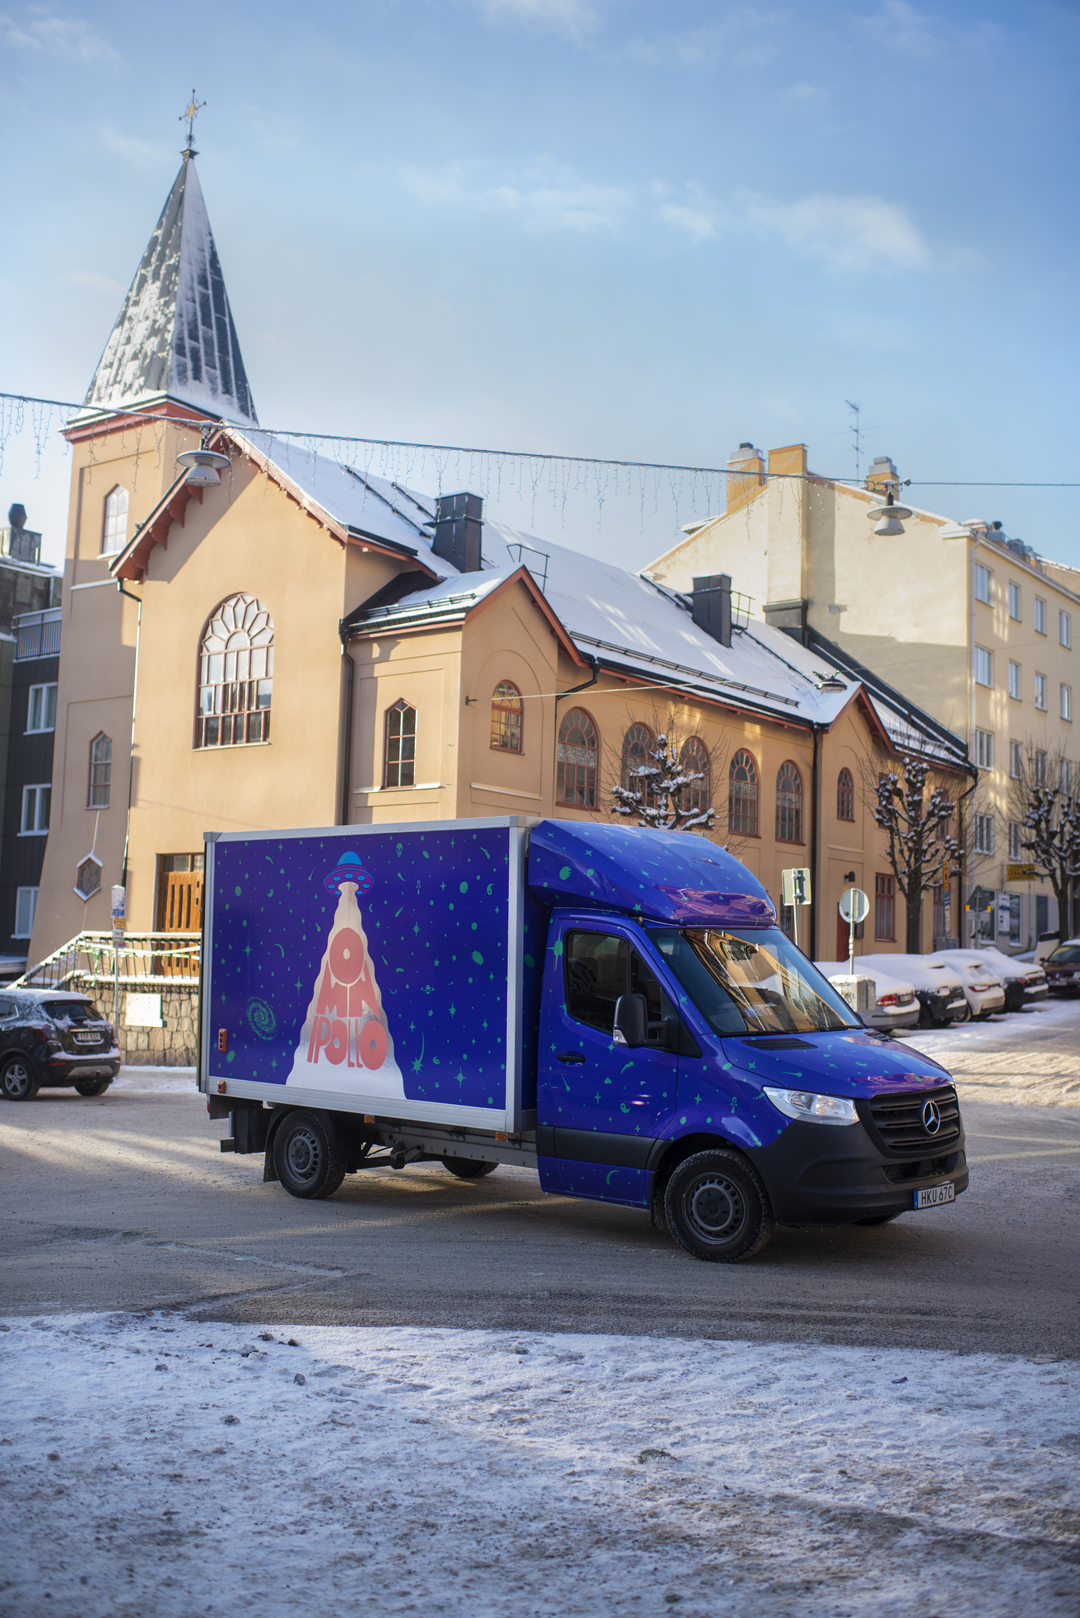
{"x": 752, "y": 983}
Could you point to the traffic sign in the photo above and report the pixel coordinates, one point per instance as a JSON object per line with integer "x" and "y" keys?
{"x": 854, "y": 905}
{"x": 795, "y": 885}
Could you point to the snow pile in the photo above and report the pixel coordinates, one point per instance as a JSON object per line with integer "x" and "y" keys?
{"x": 1032, "y": 1056}
{"x": 159, "y": 1466}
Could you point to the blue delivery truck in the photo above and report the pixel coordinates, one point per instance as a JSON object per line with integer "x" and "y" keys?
{"x": 615, "y": 1007}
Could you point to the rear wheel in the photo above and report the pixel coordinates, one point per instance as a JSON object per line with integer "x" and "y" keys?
{"x": 305, "y": 1156}
{"x": 18, "y": 1081}
{"x": 468, "y": 1168}
{"x": 717, "y": 1208}
{"x": 92, "y": 1087}
{"x": 965, "y": 1015}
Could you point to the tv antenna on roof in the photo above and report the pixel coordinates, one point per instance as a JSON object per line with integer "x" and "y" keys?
{"x": 191, "y": 112}
{"x": 856, "y": 434}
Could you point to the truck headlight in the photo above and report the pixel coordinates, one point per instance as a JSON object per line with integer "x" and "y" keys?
{"x": 812, "y": 1108}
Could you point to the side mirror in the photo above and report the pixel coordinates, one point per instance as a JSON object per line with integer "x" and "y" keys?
{"x": 631, "y": 1020}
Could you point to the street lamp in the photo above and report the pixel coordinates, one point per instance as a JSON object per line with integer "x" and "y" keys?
{"x": 887, "y": 516}
{"x": 203, "y": 467}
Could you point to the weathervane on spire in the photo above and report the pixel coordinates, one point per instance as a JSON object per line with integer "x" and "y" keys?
{"x": 191, "y": 112}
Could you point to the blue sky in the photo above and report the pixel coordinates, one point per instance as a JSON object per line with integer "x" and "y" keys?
{"x": 582, "y": 227}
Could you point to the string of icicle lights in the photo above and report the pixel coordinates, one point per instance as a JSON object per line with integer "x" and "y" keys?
{"x": 528, "y": 475}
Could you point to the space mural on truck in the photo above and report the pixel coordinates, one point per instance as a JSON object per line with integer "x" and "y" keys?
{"x": 372, "y": 964}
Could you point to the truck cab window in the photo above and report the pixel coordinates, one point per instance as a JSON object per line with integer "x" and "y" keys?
{"x": 599, "y": 968}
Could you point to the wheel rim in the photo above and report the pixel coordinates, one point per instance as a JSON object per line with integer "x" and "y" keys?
{"x": 715, "y": 1209}
{"x": 303, "y": 1154}
{"x": 16, "y": 1079}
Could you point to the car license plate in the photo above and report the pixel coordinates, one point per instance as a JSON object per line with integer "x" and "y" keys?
{"x": 87, "y": 1038}
{"x": 934, "y": 1195}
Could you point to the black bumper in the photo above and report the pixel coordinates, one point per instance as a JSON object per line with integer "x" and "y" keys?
{"x": 818, "y": 1174}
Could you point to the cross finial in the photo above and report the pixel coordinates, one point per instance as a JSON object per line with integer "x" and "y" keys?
{"x": 191, "y": 112}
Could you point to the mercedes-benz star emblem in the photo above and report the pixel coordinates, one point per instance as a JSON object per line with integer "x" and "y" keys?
{"x": 931, "y": 1117}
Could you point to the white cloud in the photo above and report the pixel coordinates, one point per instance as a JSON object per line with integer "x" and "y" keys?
{"x": 541, "y": 203}
{"x": 69, "y": 37}
{"x": 139, "y": 153}
{"x": 94, "y": 281}
{"x": 897, "y": 26}
{"x": 572, "y": 18}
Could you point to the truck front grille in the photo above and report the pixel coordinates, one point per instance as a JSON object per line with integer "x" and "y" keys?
{"x": 898, "y": 1123}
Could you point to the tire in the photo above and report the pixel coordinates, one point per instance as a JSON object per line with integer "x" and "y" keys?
{"x": 468, "y": 1168}
{"x": 306, "y": 1157}
{"x": 18, "y": 1080}
{"x": 717, "y": 1208}
{"x": 965, "y": 1015}
{"x": 880, "y": 1219}
{"x": 92, "y": 1087}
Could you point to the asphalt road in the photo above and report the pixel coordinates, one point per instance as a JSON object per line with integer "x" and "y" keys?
{"x": 125, "y": 1202}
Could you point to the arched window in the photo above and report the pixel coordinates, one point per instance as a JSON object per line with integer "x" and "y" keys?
{"x": 506, "y": 715}
{"x": 694, "y": 760}
{"x": 788, "y": 804}
{"x": 578, "y": 760}
{"x": 114, "y": 527}
{"x": 236, "y": 675}
{"x": 845, "y": 796}
{"x": 637, "y": 747}
{"x": 743, "y": 795}
{"x": 400, "y": 765}
{"x": 100, "y": 772}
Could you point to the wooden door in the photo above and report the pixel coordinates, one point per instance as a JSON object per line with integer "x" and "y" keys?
{"x": 181, "y": 902}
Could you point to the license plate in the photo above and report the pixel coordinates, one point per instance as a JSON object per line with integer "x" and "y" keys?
{"x": 88, "y": 1039}
{"x": 934, "y": 1195}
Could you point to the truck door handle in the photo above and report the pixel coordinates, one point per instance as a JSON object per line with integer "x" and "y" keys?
{"x": 569, "y": 1056}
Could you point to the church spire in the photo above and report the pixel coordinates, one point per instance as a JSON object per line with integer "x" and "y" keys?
{"x": 175, "y": 334}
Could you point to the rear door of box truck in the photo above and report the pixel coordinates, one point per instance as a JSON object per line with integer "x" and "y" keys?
{"x": 373, "y": 969}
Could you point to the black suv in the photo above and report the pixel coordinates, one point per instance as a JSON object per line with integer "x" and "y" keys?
{"x": 49, "y": 1037}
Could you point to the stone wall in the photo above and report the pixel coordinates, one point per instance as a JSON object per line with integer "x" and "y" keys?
{"x": 175, "y": 1044}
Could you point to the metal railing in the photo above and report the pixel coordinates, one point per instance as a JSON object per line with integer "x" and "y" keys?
{"x": 142, "y": 960}
{"x": 37, "y": 634}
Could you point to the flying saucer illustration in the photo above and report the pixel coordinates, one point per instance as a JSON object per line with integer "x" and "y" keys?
{"x": 349, "y": 869}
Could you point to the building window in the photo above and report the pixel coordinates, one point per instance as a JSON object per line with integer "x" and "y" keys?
{"x": 1064, "y": 629}
{"x": 100, "y": 772}
{"x": 884, "y": 906}
{"x": 36, "y": 802}
{"x": 1066, "y": 702}
{"x": 400, "y": 764}
{"x": 577, "y": 760}
{"x": 743, "y": 795}
{"x": 940, "y": 917}
{"x": 88, "y": 877}
{"x": 1014, "y": 601}
{"x": 41, "y": 709}
{"x": 114, "y": 527}
{"x": 1016, "y": 760}
{"x": 984, "y": 749}
{"x": 1040, "y": 768}
{"x": 788, "y": 804}
{"x": 984, "y": 666}
{"x": 1014, "y": 680}
{"x": 1066, "y": 778}
{"x": 984, "y": 584}
{"x": 845, "y": 796}
{"x": 1040, "y": 616}
{"x": 694, "y": 760}
{"x": 25, "y": 905}
{"x": 1015, "y": 833}
{"x": 506, "y": 729}
{"x": 638, "y": 743}
{"x": 1040, "y": 691}
{"x": 984, "y": 834}
{"x": 236, "y": 675}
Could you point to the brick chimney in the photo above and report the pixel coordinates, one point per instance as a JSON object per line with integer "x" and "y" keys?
{"x": 883, "y": 476}
{"x": 749, "y": 461}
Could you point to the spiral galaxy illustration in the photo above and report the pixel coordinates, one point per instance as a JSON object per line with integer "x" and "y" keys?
{"x": 261, "y": 1017}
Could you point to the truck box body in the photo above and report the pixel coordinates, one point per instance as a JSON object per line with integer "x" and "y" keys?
{"x": 611, "y": 1005}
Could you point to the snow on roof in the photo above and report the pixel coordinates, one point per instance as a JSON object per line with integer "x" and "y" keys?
{"x": 175, "y": 334}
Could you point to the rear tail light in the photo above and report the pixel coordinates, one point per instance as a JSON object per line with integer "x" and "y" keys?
{"x": 45, "y": 1031}
{"x": 888, "y": 1000}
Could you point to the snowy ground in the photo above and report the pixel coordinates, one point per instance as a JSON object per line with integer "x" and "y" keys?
{"x": 155, "y": 1467}
{"x": 1030, "y": 1056}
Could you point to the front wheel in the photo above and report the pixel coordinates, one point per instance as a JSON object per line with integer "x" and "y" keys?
{"x": 717, "y": 1208}
{"x": 305, "y": 1157}
{"x": 18, "y": 1081}
{"x": 92, "y": 1087}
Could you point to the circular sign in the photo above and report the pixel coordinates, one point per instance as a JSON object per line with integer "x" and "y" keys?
{"x": 854, "y": 905}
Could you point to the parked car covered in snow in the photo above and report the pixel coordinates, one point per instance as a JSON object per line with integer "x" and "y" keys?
{"x": 939, "y": 989}
{"x": 897, "y": 1005}
{"x": 1063, "y": 967}
{"x": 983, "y": 987}
{"x": 1022, "y": 981}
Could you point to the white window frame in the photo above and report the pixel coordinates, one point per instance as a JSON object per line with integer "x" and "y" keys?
{"x": 114, "y": 536}
{"x": 1016, "y": 760}
{"x": 1014, "y": 601}
{"x": 984, "y": 584}
{"x": 41, "y": 694}
{"x": 25, "y": 898}
{"x": 1040, "y": 692}
{"x": 1066, "y": 702}
{"x": 984, "y": 666}
{"x": 1015, "y": 678}
{"x": 1066, "y": 778}
{"x": 1040, "y": 616}
{"x": 984, "y": 749}
{"x": 1065, "y": 630}
{"x": 1015, "y": 850}
{"x": 33, "y": 797}
{"x": 984, "y": 834}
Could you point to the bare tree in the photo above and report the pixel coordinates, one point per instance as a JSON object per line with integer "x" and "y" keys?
{"x": 1047, "y": 807}
{"x": 917, "y": 828}
{"x": 666, "y": 790}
